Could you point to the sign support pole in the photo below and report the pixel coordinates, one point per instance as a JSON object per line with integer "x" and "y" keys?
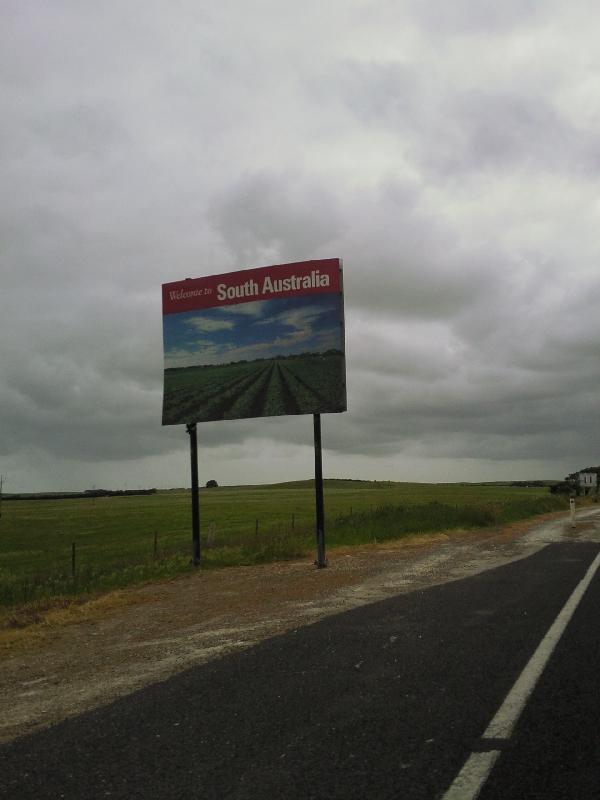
{"x": 191, "y": 429}
{"x": 321, "y": 560}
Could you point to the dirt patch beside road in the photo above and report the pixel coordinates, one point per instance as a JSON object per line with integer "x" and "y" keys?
{"x": 88, "y": 655}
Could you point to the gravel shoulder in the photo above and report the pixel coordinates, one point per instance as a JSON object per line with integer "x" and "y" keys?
{"x": 85, "y": 656}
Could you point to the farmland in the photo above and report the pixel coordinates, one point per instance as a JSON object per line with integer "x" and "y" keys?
{"x": 53, "y": 548}
{"x": 307, "y": 384}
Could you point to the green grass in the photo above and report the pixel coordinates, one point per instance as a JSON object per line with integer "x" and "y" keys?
{"x": 114, "y": 536}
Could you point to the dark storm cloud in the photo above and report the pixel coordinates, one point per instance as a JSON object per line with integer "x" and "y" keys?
{"x": 447, "y": 152}
{"x": 70, "y": 384}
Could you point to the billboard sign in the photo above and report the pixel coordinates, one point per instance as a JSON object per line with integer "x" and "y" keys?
{"x": 255, "y": 343}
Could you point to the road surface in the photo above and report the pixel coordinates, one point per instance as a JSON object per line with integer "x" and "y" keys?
{"x": 485, "y": 686}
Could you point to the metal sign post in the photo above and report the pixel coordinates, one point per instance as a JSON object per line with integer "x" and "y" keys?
{"x": 191, "y": 429}
{"x": 321, "y": 560}
{"x": 205, "y": 381}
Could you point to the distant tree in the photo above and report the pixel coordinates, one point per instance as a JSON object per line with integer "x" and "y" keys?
{"x": 211, "y": 484}
{"x": 563, "y": 487}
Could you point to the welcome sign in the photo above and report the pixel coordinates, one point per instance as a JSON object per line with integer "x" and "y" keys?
{"x": 255, "y": 343}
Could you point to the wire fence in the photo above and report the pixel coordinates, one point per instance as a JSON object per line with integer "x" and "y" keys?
{"x": 88, "y": 564}
{"x": 97, "y": 562}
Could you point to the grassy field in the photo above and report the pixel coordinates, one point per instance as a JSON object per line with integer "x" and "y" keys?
{"x": 123, "y": 540}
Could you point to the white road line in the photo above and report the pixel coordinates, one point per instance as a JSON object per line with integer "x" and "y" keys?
{"x": 470, "y": 780}
{"x": 509, "y": 712}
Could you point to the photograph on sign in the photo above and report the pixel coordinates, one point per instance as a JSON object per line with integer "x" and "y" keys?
{"x": 256, "y": 343}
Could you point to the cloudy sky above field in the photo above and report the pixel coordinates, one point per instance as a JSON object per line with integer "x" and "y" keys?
{"x": 448, "y": 152}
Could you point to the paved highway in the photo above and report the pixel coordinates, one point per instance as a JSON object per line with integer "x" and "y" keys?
{"x": 485, "y": 686}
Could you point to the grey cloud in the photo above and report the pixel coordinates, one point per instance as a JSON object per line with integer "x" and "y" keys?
{"x": 391, "y": 92}
{"x": 438, "y": 423}
{"x": 519, "y": 384}
{"x": 415, "y": 352}
{"x": 450, "y": 130}
{"x": 406, "y": 261}
{"x": 281, "y": 215}
{"x": 81, "y": 375}
{"x": 470, "y": 17}
{"x": 78, "y": 129}
{"x": 497, "y": 128}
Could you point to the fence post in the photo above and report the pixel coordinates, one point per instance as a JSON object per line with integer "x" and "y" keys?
{"x": 572, "y": 510}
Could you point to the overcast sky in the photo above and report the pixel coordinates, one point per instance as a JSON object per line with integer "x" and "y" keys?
{"x": 448, "y": 152}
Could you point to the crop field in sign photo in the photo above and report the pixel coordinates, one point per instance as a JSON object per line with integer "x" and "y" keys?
{"x": 61, "y": 548}
{"x": 306, "y": 384}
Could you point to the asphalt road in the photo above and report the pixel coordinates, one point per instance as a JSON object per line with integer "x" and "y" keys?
{"x": 385, "y": 701}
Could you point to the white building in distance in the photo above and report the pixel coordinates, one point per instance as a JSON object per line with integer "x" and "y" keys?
{"x": 587, "y": 482}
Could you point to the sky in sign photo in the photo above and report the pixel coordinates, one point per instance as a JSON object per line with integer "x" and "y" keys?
{"x": 448, "y": 152}
{"x": 247, "y": 331}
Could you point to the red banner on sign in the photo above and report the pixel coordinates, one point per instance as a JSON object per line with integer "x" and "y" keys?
{"x": 262, "y": 283}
